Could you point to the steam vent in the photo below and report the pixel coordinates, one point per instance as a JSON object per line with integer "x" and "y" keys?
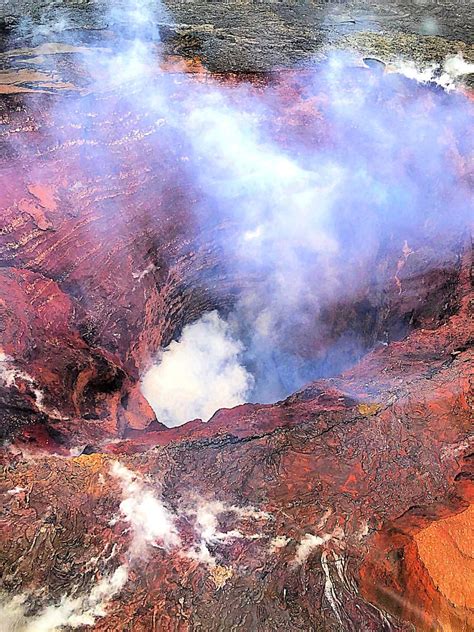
{"x": 236, "y": 316}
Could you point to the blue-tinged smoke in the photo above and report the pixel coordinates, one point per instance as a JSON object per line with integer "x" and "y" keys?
{"x": 314, "y": 175}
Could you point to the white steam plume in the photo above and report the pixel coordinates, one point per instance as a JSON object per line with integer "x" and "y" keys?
{"x": 150, "y": 520}
{"x": 311, "y": 542}
{"x": 73, "y": 612}
{"x": 154, "y": 524}
{"x": 199, "y": 374}
{"x": 310, "y": 212}
{"x": 151, "y": 523}
{"x": 447, "y": 75}
{"x": 308, "y": 544}
{"x": 207, "y": 515}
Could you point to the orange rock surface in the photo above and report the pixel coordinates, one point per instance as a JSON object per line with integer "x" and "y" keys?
{"x": 446, "y": 549}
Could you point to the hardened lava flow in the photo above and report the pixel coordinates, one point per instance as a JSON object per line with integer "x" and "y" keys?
{"x": 342, "y": 506}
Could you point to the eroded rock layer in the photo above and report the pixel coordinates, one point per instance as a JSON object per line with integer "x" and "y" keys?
{"x": 295, "y": 515}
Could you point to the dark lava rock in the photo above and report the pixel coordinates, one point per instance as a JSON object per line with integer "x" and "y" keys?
{"x": 257, "y": 36}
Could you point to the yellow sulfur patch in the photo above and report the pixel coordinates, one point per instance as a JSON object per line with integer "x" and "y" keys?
{"x": 220, "y": 575}
{"x": 368, "y": 409}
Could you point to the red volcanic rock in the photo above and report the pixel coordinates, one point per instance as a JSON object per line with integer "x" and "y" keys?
{"x": 114, "y": 244}
{"x": 316, "y": 505}
{"x": 362, "y": 462}
{"x": 47, "y": 351}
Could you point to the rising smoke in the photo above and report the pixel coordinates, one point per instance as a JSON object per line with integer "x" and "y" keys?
{"x": 151, "y": 524}
{"x": 311, "y": 217}
{"x": 309, "y": 213}
{"x": 206, "y": 351}
{"x": 315, "y": 178}
{"x": 71, "y": 611}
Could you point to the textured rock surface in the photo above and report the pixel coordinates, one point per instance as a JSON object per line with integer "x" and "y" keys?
{"x": 359, "y": 463}
{"x": 362, "y": 462}
{"x": 252, "y": 36}
{"x": 447, "y": 551}
{"x": 372, "y": 470}
{"x": 74, "y": 223}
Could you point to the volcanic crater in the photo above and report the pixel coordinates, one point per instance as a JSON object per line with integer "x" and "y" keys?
{"x": 333, "y": 499}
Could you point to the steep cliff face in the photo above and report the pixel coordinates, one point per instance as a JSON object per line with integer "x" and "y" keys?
{"x": 311, "y": 513}
{"x": 426, "y": 579}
